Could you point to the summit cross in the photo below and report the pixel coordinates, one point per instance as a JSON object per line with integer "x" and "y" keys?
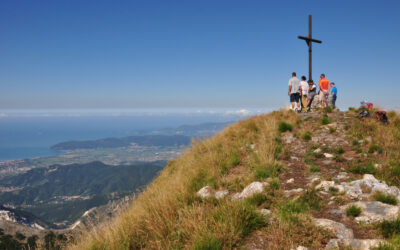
{"x": 309, "y": 40}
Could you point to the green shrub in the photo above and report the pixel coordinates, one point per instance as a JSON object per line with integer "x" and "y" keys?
{"x": 235, "y": 160}
{"x": 352, "y": 109}
{"x": 375, "y": 148}
{"x": 207, "y": 243}
{"x": 325, "y": 120}
{"x": 333, "y": 190}
{"x": 315, "y": 169}
{"x": 258, "y": 200}
{"x": 284, "y": 126}
{"x": 340, "y": 150}
{"x": 355, "y": 142}
{"x": 353, "y": 210}
{"x": 385, "y": 198}
{"x": 328, "y": 109}
{"x": 390, "y": 228}
{"x": 311, "y": 200}
{"x": 274, "y": 184}
{"x": 290, "y": 211}
{"x": 263, "y": 172}
{"x": 306, "y": 136}
{"x": 369, "y": 169}
{"x": 332, "y": 130}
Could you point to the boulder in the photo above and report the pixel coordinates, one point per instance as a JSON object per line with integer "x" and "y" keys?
{"x": 205, "y": 192}
{"x": 252, "y": 189}
{"x": 265, "y": 212}
{"x": 373, "y": 211}
{"x": 340, "y": 230}
{"x": 221, "y": 194}
{"x": 355, "y": 188}
{"x": 353, "y": 244}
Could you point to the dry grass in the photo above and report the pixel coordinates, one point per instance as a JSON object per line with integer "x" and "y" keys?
{"x": 168, "y": 214}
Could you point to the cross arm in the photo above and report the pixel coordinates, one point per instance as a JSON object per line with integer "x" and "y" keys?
{"x": 307, "y": 39}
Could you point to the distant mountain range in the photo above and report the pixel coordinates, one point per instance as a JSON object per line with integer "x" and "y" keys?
{"x": 146, "y": 140}
{"x": 59, "y": 195}
{"x": 180, "y": 136}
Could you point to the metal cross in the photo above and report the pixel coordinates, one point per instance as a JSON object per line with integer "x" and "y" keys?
{"x": 309, "y": 40}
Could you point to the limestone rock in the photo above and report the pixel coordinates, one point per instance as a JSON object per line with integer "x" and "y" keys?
{"x": 291, "y": 180}
{"x": 265, "y": 212}
{"x": 291, "y": 192}
{"x": 221, "y": 194}
{"x": 318, "y": 150}
{"x": 205, "y": 192}
{"x": 300, "y": 248}
{"x": 341, "y": 231}
{"x": 374, "y": 211}
{"x": 353, "y": 244}
{"x": 355, "y": 189}
{"x": 327, "y": 155}
{"x": 252, "y": 189}
{"x": 342, "y": 176}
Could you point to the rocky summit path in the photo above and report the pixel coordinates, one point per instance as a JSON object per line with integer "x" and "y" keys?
{"x": 320, "y": 157}
{"x": 321, "y": 163}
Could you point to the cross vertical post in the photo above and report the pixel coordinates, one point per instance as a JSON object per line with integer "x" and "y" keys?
{"x": 309, "y": 40}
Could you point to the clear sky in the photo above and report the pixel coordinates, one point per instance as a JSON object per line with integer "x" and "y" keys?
{"x": 69, "y": 54}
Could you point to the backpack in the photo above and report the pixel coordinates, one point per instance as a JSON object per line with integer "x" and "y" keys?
{"x": 364, "y": 114}
{"x": 381, "y": 116}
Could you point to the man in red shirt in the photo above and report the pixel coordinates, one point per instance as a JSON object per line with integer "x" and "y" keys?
{"x": 324, "y": 87}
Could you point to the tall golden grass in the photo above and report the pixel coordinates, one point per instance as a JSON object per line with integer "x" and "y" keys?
{"x": 168, "y": 214}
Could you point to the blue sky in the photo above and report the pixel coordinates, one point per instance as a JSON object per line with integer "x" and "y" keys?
{"x": 95, "y": 54}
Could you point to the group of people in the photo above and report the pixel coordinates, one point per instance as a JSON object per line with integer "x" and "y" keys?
{"x": 302, "y": 92}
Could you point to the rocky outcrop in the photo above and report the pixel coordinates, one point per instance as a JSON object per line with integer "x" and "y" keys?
{"x": 373, "y": 211}
{"x": 356, "y": 189}
{"x": 345, "y": 236}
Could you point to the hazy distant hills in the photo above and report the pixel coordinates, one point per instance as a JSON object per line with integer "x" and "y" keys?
{"x": 146, "y": 140}
{"x": 204, "y": 129}
{"x": 59, "y": 193}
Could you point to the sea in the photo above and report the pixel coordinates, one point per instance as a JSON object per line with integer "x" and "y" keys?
{"x": 30, "y": 133}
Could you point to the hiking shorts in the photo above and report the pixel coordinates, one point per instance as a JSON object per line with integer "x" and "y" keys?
{"x": 295, "y": 97}
{"x": 311, "y": 95}
{"x": 323, "y": 96}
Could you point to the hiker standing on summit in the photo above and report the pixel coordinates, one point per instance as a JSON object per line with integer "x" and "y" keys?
{"x": 294, "y": 92}
{"x": 324, "y": 87}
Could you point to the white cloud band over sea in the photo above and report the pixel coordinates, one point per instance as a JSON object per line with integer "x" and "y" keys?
{"x": 241, "y": 112}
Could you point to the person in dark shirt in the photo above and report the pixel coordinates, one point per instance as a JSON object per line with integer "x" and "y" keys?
{"x": 312, "y": 91}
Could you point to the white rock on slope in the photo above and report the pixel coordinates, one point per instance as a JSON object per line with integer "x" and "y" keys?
{"x": 205, "y": 192}
{"x": 373, "y": 211}
{"x": 252, "y": 189}
{"x": 355, "y": 188}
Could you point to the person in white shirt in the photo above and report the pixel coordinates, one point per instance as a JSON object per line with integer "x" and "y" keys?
{"x": 294, "y": 92}
{"x": 304, "y": 93}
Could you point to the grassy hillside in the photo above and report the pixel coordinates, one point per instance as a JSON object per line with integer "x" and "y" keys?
{"x": 169, "y": 214}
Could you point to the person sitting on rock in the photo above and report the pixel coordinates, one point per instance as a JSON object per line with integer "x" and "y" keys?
{"x": 312, "y": 91}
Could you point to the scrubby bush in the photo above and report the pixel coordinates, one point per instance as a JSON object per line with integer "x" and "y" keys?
{"x": 325, "y": 120}
{"x": 306, "y": 136}
{"x": 375, "y": 148}
{"x": 353, "y": 210}
{"x": 385, "y": 198}
{"x": 332, "y": 130}
{"x": 311, "y": 200}
{"x": 315, "y": 169}
{"x": 284, "y": 126}
{"x": 389, "y": 228}
{"x": 340, "y": 150}
{"x": 357, "y": 169}
{"x": 328, "y": 109}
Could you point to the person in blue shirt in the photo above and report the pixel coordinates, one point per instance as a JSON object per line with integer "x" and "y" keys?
{"x": 333, "y": 93}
